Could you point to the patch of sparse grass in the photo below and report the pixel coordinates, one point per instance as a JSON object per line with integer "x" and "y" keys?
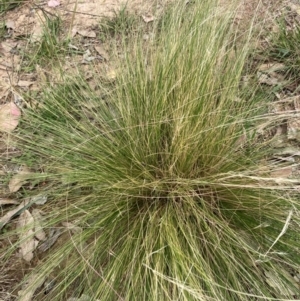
{"x": 2, "y": 30}
{"x": 49, "y": 47}
{"x": 6, "y": 5}
{"x": 285, "y": 41}
{"x": 165, "y": 178}
{"x": 121, "y": 24}
{"x": 284, "y": 48}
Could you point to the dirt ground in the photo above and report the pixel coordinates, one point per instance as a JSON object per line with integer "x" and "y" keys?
{"x": 81, "y": 19}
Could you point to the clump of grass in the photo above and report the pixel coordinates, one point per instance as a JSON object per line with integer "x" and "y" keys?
{"x": 165, "y": 175}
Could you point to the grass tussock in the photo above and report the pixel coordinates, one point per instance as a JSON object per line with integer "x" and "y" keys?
{"x": 164, "y": 174}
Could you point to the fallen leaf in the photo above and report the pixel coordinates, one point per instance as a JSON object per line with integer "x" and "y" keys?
{"x": 53, "y": 3}
{"x": 24, "y": 83}
{"x": 102, "y": 52}
{"x": 39, "y": 233}
{"x": 32, "y": 284}
{"x": 87, "y": 33}
{"x": 7, "y": 202}
{"x": 9, "y": 117}
{"x": 10, "y": 24}
{"x": 19, "y": 179}
{"x": 9, "y": 215}
{"x": 148, "y": 18}
{"x": 28, "y": 244}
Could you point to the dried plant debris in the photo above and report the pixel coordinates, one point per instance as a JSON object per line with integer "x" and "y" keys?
{"x": 9, "y": 117}
{"x": 4, "y": 201}
{"x": 24, "y": 205}
{"x": 54, "y": 234}
{"x": 28, "y": 243}
{"x": 39, "y": 233}
{"x": 13, "y": 213}
{"x": 19, "y": 179}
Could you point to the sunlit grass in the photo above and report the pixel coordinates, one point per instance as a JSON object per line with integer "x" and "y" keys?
{"x": 165, "y": 173}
